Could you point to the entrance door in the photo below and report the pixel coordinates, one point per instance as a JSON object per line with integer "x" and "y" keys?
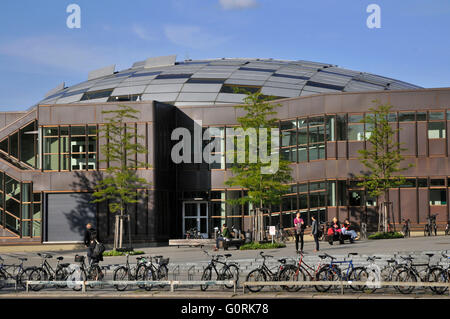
{"x": 195, "y": 215}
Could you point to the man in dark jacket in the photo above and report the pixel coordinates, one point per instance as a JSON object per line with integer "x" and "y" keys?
{"x": 90, "y": 236}
{"x": 315, "y": 232}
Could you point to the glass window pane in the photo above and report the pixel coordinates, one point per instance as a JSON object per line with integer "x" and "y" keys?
{"x": 341, "y": 122}
{"x": 51, "y": 145}
{"x": 356, "y": 118}
{"x": 406, "y": 117}
{"x": 26, "y": 231}
{"x": 50, "y": 131}
{"x": 51, "y": 162}
{"x": 287, "y": 125}
{"x": 421, "y": 116}
{"x": 64, "y": 130}
{"x": 78, "y": 144}
{"x": 436, "y": 129}
{"x": 27, "y": 144}
{"x": 92, "y": 130}
{"x": 26, "y": 211}
{"x": 4, "y": 145}
{"x": 331, "y": 123}
{"x": 14, "y": 145}
{"x": 436, "y": 116}
{"x": 356, "y": 132}
{"x": 26, "y": 191}
{"x": 78, "y": 130}
{"x": 12, "y": 187}
{"x": 12, "y": 224}
{"x": 37, "y": 211}
{"x": 36, "y": 228}
{"x": 438, "y": 197}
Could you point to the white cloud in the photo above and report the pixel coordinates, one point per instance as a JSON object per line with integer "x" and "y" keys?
{"x": 192, "y": 36}
{"x": 142, "y": 33}
{"x": 238, "y": 4}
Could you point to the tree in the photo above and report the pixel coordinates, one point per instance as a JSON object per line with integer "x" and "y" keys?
{"x": 263, "y": 189}
{"x": 382, "y": 158}
{"x": 121, "y": 184}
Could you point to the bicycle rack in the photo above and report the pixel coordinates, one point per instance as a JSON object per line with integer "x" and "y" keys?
{"x": 176, "y": 272}
{"x": 191, "y": 273}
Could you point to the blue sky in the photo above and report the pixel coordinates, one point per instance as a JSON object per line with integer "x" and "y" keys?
{"x": 38, "y": 51}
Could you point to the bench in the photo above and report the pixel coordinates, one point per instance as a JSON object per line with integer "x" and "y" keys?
{"x": 338, "y": 237}
{"x": 191, "y": 242}
{"x": 233, "y": 242}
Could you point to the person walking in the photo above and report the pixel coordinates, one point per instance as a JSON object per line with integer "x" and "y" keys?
{"x": 90, "y": 238}
{"x": 299, "y": 231}
{"x": 315, "y": 232}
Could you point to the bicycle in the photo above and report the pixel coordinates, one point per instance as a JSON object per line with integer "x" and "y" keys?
{"x": 128, "y": 273}
{"x": 83, "y": 273}
{"x": 20, "y": 276}
{"x": 406, "y": 229}
{"x": 332, "y": 272}
{"x": 159, "y": 272}
{"x": 430, "y": 227}
{"x": 46, "y": 273}
{"x": 193, "y": 233}
{"x": 371, "y": 274}
{"x": 442, "y": 276}
{"x": 262, "y": 273}
{"x": 300, "y": 272}
{"x": 229, "y": 271}
{"x": 411, "y": 274}
{"x": 447, "y": 228}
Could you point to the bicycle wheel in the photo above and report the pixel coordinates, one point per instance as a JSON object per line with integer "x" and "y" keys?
{"x": 94, "y": 274}
{"x": 3, "y": 279}
{"x": 353, "y": 276}
{"x": 38, "y": 274}
{"x": 207, "y": 273}
{"x": 61, "y": 274}
{"x": 327, "y": 273}
{"x": 141, "y": 274}
{"x": 150, "y": 274}
{"x": 425, "y": 231}
{"x": 23, "y": 276}
{"x": 121, "y": 274}
{"x": 371, "y": 278}
{"x": 256, "y": 275}
{"x": 163, "y": 274}
{"x": 437, "y": 275}
{"x": 75, "y": 274}
{"x": 231, "y": 272}
{"x": 405, "y": 275}
{"x": 295, "y": 274}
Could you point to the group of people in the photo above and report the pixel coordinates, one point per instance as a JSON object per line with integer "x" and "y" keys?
{"x": 335, "y": 228}
{"x": 299, "y": 225}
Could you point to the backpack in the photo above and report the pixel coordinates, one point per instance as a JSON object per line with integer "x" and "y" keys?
{"x": 98, "y": 249}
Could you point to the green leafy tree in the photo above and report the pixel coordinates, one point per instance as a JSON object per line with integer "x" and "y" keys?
{"x": 382, "y": 158}
{"x": 263, "y": 190}
{"x": 120, "y": 184}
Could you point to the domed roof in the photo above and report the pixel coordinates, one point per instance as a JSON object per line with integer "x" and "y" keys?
{"x": 206, "y": 82}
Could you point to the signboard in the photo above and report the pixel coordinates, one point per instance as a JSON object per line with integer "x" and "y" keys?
{"x": 272, "y": 230}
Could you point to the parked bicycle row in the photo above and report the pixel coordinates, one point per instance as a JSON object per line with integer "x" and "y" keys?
{"x": 402, "y": 269}
{"x": 330, "y": 268}
{"x": 147, "y": 268}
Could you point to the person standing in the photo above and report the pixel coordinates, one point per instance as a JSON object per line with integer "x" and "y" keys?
{"x": 299, "y": 231}
{"x": 315, "y": 232}
{"x": 90, "y": 237}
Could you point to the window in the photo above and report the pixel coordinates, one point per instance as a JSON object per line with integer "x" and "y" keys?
{"x": 406, "y": 117}
{"x": 436, "y": 129}
{"x": 355, "y": 198}
{"x": 355, "y": 127}
{"x": 96, "y": 94}
{"x": 438, "y": 197}
{"x": 239, "y": 89}
{"x": 124, "y": 98}
{"x": 174, "y": 76}
{"x": 341, "y": 124}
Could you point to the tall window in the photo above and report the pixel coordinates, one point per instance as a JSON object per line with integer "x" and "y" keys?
{"x": 436, "y": 125}
{"x": 70, "y": 147}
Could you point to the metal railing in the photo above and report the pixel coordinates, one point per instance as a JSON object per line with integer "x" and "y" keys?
{"x": 171, "y": 283}
{"x": 344, "y": 283}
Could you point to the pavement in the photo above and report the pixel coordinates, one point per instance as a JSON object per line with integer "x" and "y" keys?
{"x": 189, "y": 262}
